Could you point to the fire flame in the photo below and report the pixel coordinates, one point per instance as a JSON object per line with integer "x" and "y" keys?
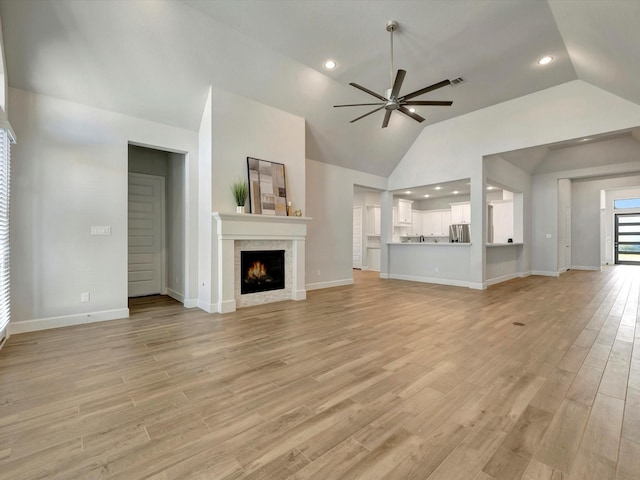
{"x": 257, "y": 271}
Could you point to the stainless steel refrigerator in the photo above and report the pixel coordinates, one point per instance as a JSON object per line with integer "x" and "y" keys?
{"x": 459, "y": 233}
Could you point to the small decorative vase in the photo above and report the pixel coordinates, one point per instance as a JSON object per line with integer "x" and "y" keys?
{"x": 240, "y": 209}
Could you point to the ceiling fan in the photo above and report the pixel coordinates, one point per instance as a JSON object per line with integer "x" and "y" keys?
{"x": 392, "y": 100}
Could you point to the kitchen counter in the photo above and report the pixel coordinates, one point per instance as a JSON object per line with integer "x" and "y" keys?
{"x": 432, "y": 244}
{"x": 503, "y": 244}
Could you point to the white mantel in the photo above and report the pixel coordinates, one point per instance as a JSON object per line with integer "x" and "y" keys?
{"x": 232, "y": 228}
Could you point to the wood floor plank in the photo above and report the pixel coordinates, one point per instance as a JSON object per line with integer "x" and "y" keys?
{"x": 438, "y": 383}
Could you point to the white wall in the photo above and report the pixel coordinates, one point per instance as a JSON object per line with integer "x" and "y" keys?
{"x": 69, "y": 173}
{"x": 232, "y": 129}
{"x": 329, "y": 200}
{"x": 244, "y": 128}
{"x": 454, "y": 149}
{"x": 589, "y": 234}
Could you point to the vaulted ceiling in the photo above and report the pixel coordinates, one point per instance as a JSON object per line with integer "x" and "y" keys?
{"x": 155, "y": 59}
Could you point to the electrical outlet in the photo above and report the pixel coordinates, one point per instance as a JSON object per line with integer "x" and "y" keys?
{"x": 437, "y": 269}
{"x": 317, "y": 273}
{"x": 84, "y": 297}
{"x": 548, "y": 235}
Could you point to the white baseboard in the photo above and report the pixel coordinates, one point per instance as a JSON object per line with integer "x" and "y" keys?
{"x": 333, "y": 283}
{"x": 67, "y": 320}
{"x": 190, "y": 303}
{"x": 502, "y": 278}
{"x": 299, "y": 295}
{"x": 544, "y": 273}
{"x": 226, "y": 306}
{"x": 593, "y": 269}
{"x": 477, "y": 286}
{"x": 207, "y": 307}
{"x": 439, "y": 281}
{"x": 384, "y": 275}
{"x": 524, "y": 274}
{"x": 175, "y": 295}
{"x": 562, "y": 270}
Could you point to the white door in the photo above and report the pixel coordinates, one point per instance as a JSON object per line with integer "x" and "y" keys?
{"x": 357, "y": 237}
{"x": 146, "y": 234}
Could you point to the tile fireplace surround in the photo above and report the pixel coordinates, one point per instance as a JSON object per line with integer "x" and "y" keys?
{"x": 243, "y": 231}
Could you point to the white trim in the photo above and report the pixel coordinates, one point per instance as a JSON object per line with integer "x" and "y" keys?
{"x": 67, "y": 320}
{"x": 175, "y": 295}
{"x": 226, "y": 306}
{"x": 331, "y": 284}
{"x": 502, "y": 278}
{"x": 299, "y": 295}
{"x": 579, "y": 267}
{"x": 384, "y": 275}
{"x": 524, "y": 274}
{"x": 207, "y": 307}
{"x": 190, "y": 303}
{"x": 562, "y": 270}
{"x": 438, "y": 281}
{"x": 477, "y": 286}
{"x": 544, "y": 273}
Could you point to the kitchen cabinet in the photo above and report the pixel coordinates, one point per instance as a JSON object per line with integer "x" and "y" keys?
{"x": 373, "y": 220}
{"x": 403, "y": 212}
{"x": 436, "y": 223}
{"x": 461, "y": 212}
{"x": 417, "y": 227}
{"x": 445, "y": 221}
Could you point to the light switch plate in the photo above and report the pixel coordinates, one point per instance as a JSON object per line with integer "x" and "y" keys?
{"x": 100, "y": 230}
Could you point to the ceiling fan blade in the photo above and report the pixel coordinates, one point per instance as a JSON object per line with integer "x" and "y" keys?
{"x": 430, "y": 88}
{"x": 406, "y": 111}
{"x": 362, "y": 116}
{"x": 397, "y": 84}
{"x": 358, "y": 105}
{"x": 366, "y": 90}
{"x": 387, "y": 116}
{"x": 429, "y": 102}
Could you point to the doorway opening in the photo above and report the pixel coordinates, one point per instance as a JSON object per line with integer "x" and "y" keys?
{"x": 156, "y": 223}
{"x": 627, "y": 239}
{"x": 366, "y": 229}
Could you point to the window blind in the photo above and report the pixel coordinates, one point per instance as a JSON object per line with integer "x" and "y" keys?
{"x": 5, "y": 170}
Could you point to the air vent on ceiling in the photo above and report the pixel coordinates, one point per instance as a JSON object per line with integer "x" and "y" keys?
{"x": 456, "y": 81}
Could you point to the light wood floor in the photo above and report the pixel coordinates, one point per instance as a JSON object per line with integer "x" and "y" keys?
{"x": 383, "y": 379}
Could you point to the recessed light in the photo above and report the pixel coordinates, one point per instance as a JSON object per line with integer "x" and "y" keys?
{"x": 585, "y": 139}
{"x": 412, "y": 110}
{"x": 408, "y": 192}
{"x": 330, "y": 64}
{"x": 426, "y": 196}
{"x": 438, "y": 188}
{"x": 455, "y": 192}
{"x": 490, "y": 188}
{"x": 545, "y": 60}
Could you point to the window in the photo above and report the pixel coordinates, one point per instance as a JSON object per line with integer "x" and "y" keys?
{"x": 626, "y": 203}
{"x": 5, "y": 167}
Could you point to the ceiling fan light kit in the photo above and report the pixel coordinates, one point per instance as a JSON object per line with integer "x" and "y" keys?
{"x": 392, "y": 100}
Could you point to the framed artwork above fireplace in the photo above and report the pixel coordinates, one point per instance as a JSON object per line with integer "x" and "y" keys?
{"x": 267, "y": 187}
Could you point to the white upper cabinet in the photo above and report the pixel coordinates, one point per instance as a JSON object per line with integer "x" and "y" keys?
{"x": 417, "y": 223}
{"x": 435, "y": 223}
{"x": 461, "y": 212}
{"x": 373, "y": 220}
{"x": 403, "y": 212}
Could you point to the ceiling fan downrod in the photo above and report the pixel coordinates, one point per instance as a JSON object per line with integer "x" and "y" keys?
{"x": 392, "y": 25}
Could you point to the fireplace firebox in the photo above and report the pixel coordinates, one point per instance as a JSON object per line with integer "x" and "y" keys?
{"x": 261, "y": 271}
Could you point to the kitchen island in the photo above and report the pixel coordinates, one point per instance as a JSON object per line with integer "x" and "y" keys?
{"x": 442, "y": 263}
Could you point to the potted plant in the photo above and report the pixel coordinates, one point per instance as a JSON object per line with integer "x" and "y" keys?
{"x": 240, "y": 192}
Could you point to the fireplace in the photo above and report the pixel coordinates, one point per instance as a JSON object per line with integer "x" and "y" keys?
{"x": 261, "y": 271}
